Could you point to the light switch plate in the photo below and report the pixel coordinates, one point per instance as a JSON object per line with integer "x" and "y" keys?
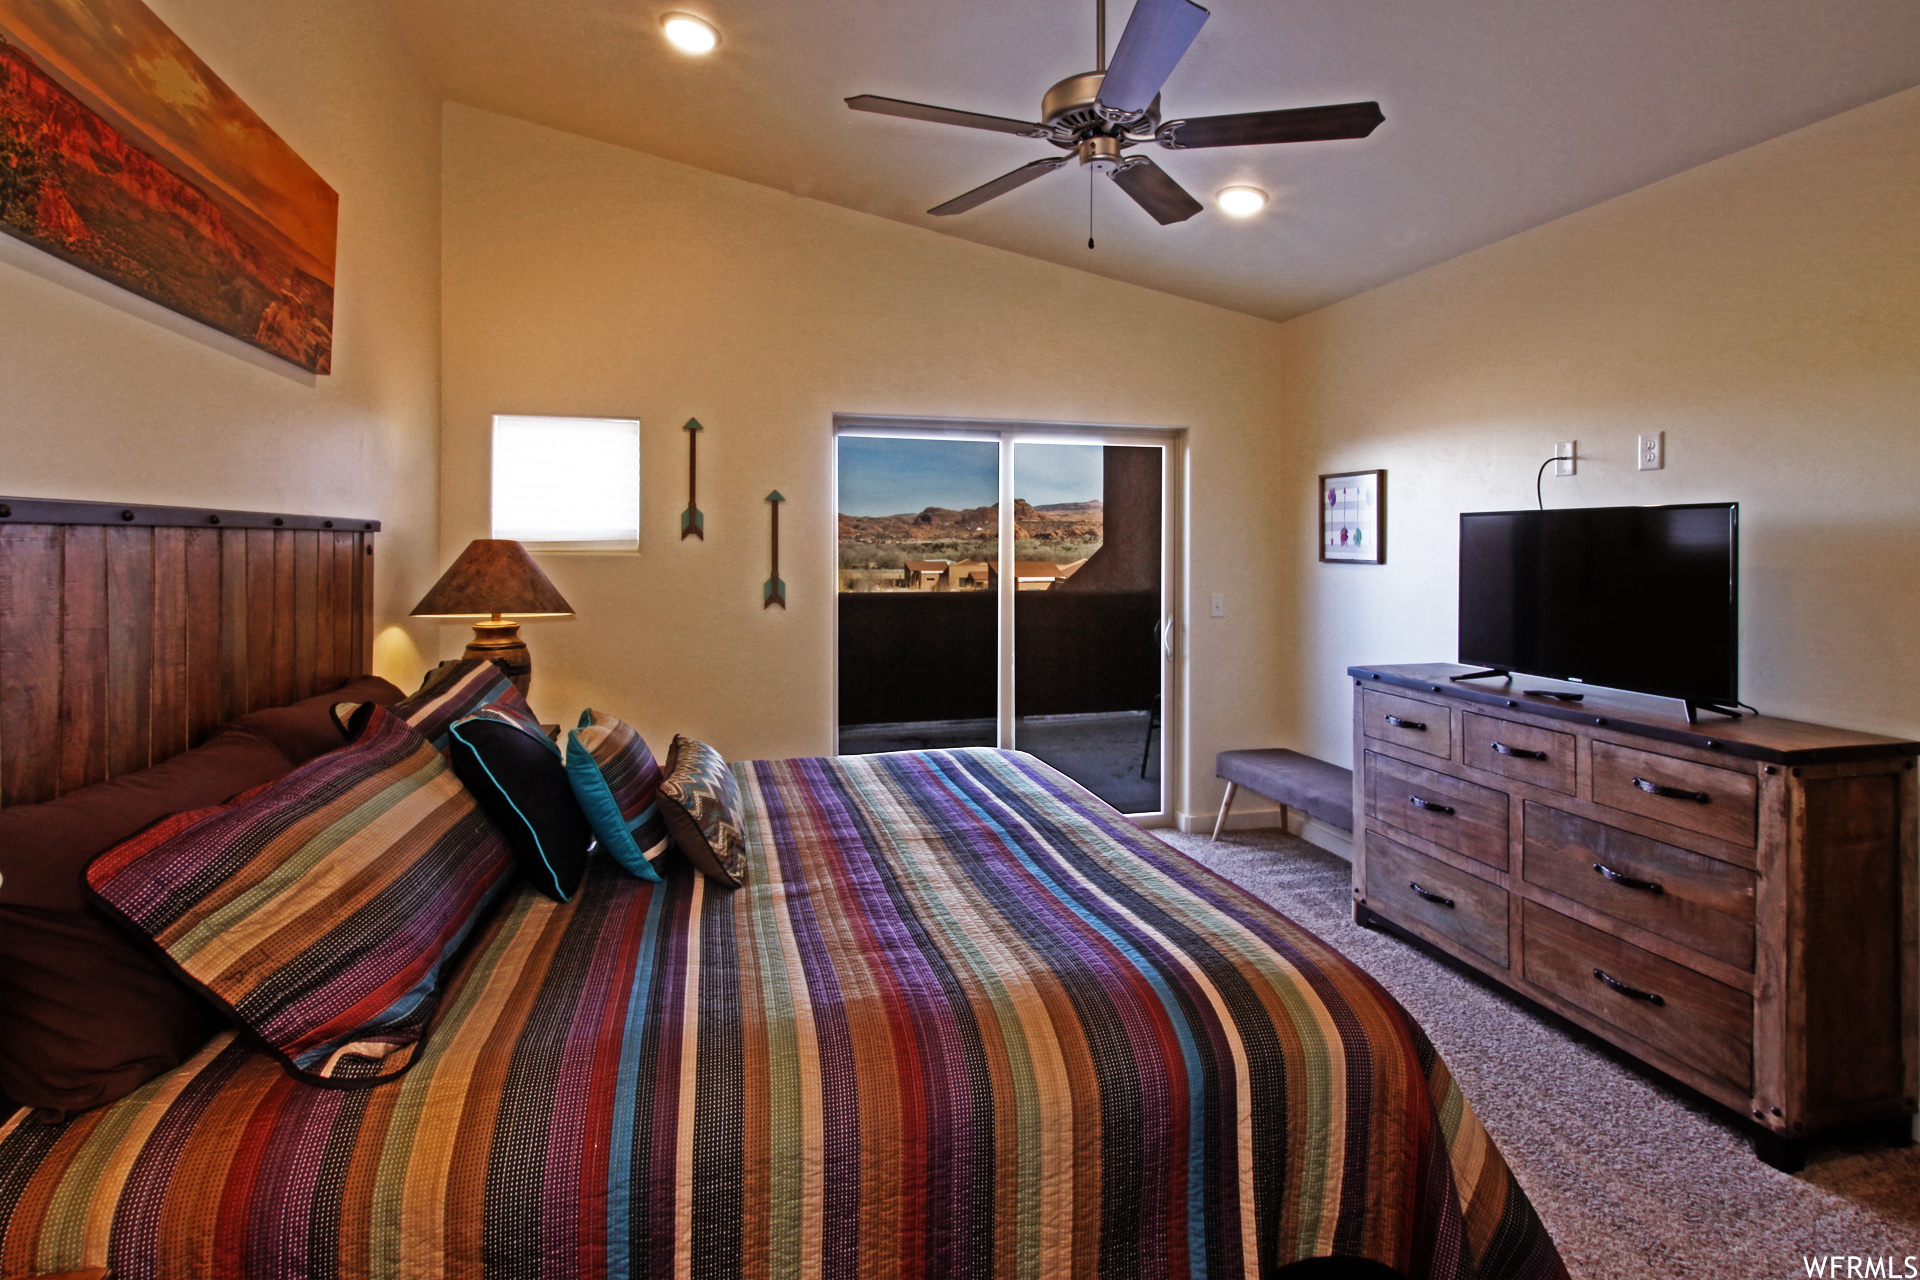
{"x": 1653, "y": 451}
{"x": 1567, "y": 457}
{"x": 1219, "y": 605}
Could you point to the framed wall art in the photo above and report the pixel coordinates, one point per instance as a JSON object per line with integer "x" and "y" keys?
{"x": 1353, "y": 517}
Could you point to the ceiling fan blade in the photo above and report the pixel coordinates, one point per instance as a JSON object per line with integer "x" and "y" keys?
{"x": 999, "y": 186}
{"x": 945, "y": 115}
{"x": 1155, "y": 40}
{"x": 1293, "y": 124}
{"x": 1153, "y": 190}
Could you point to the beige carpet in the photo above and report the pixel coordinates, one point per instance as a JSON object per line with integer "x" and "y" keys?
{"x": 1631, "y": 1179}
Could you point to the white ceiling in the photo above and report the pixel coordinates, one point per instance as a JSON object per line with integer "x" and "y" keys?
{"x": 1500, "y": 114}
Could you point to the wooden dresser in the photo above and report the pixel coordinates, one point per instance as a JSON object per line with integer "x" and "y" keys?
{"x": 1732, "y": 903}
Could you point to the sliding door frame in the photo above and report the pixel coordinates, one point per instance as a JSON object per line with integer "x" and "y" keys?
{"x": 1173, "y": 599}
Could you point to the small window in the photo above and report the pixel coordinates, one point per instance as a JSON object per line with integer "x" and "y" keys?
{"x": 567, "y": 484}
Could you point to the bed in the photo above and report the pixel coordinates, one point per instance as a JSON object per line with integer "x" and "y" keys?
{"x": 961, "y": 1019}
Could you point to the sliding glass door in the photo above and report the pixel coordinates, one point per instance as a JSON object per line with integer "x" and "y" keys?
{"x": 919, "y": 622}
{"x": 1088, "y": 615}
{"x": 1008, "y": 587}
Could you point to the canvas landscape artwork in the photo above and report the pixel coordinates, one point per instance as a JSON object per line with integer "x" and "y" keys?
{"x": 123, "y": 153}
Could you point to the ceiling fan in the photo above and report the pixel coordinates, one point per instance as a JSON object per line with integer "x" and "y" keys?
{"x": 1098, "y": 115}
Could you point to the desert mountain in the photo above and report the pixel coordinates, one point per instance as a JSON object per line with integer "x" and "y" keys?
{"x": 1055, "y": 522}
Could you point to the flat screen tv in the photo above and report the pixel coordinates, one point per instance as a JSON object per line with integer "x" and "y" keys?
{"x": 1637, "y": 598}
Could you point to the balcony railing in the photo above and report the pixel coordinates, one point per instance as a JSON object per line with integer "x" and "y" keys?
{"x": 933, "y": 655}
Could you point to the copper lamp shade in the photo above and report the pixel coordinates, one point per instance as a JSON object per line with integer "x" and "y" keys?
{"x": 493, "y": 577}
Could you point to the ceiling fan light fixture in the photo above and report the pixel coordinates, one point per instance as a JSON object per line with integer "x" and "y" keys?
{"x": 1098, "y": 114}
{"x": 689, "y": 34}
{"x": 1241, "y": 202}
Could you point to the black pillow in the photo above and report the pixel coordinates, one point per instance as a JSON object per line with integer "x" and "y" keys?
{"x": 517, "y": 776}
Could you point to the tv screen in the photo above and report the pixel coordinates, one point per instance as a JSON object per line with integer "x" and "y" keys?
{"x": 1640, "y": 598}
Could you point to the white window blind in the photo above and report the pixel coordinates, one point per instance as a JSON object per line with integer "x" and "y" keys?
{"x": 567, "y": 484}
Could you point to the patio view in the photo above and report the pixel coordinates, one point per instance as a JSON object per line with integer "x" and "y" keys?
{"x": 921, "y": 594}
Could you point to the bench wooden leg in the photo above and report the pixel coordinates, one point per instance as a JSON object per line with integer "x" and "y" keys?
{"x": 1226, "y": 803}
{"x": 1286, "y": 821}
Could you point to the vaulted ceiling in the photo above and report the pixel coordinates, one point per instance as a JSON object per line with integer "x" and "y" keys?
{"x": 1500, "y": 114}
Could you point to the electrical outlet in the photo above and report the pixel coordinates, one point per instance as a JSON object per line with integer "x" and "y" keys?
{"x": 1219, "y": 605}
{"x": 1653, "y": 451}
{"x": 1567, "y": 459}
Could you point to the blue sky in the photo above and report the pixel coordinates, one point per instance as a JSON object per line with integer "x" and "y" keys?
{"x": 889, "y": 477}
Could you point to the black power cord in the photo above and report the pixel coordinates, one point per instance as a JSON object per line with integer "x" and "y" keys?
{"x": 1540, "y": 501}
{"x": 1540, "y": 475}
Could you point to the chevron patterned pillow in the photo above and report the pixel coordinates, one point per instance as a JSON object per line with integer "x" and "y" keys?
{"x": 701, "y": 803}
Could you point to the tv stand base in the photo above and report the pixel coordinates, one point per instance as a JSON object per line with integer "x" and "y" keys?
{"x": 1488, "y": 674}
{"x": 1694, "y": 709}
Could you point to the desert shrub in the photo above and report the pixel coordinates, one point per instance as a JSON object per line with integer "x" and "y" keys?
{"x": 1063, "y": 552}
{"x": 894, "y": 555}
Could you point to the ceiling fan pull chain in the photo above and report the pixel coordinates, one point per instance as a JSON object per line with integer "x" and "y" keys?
{"x": 1089, "y": 208}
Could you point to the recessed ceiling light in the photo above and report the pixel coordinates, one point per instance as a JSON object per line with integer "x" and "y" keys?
{"x": 689, "y": 34}
{"x": 1241, "y": 202}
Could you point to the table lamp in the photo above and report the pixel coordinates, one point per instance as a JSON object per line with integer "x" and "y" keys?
{"x": 494, "y": 577}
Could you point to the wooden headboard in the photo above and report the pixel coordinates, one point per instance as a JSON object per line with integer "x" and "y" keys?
{"x": 127, "y": 634}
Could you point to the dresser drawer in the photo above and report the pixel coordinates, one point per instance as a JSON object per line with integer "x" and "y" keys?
{"x": 1407, "y": 722}
{"x": 1412, "y": 889}
{"x": 1463, "y": 816}
{"x": 1698, "y": 902}
{"x": 1527, "y": 752}
{"x": 1703, "y": 1023}
{"x": 1699, "y": 797}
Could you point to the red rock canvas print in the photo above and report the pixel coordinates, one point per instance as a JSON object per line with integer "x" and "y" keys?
{"x": 123, "y": 153}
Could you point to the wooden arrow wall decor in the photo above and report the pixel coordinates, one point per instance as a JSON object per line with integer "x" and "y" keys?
{"x": 775, "y": 591}
{"x": 692, "y": 523}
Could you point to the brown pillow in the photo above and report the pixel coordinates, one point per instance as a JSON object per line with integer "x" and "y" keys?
{"x": 307, "y": 729}
{"x": 86, "y": 1015}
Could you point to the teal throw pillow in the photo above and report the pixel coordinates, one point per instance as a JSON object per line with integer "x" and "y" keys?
{"x": 617, "y": 781}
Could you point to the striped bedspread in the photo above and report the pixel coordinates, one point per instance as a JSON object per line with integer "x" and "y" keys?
{"x": 961, "y": 1021}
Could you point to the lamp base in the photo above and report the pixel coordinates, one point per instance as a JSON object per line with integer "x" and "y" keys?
{"x": 501, "y": 641}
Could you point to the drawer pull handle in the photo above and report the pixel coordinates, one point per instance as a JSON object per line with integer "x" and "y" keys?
{"x": 1631, "y": 993}
{"x": 1431, "y": 806}
{"x": 1398, "y": 723}
{"x": 1428, "y": 894}
{"x": 1520, "y": 752}
{"x": 1672, "y": 793}
{"x": 1628, "y": 882}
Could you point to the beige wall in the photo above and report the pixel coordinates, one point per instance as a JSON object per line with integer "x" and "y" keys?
{"x": 581, "y": 278}
{"x": 1762, "y": 310}
{"x": 102, "y": 399}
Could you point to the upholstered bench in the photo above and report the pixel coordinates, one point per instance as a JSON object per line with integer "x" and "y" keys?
{"x": 1291, "y": 780}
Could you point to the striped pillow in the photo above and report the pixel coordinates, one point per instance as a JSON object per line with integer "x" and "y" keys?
{"x": 320, "y": 913}
{"x": 455, "y": 690}
{"x": 517, "y": 714}
{"x": 616, "y": 780}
